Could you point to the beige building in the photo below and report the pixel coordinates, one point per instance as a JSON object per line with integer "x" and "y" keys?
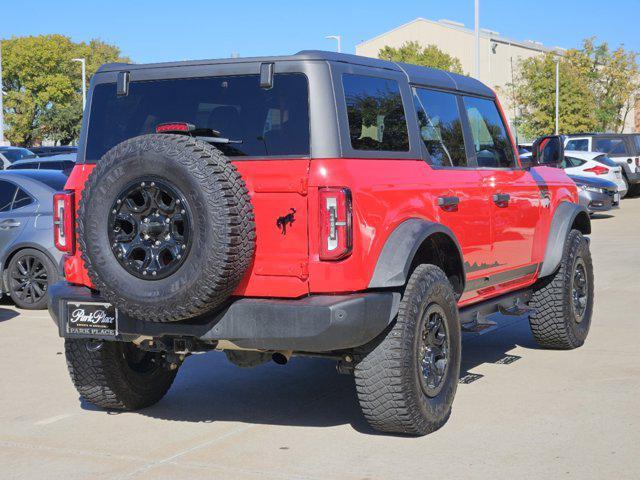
{"x": 499, "y": 55}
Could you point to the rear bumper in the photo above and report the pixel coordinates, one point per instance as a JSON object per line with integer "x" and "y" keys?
{"x": 318, "y": 323}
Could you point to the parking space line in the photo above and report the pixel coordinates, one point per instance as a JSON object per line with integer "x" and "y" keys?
{"x": 49, "y": 421}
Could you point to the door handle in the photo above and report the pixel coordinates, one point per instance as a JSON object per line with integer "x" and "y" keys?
{"x": 448, "y": 202}
{"x": 501, "y": 199}
{"x": 7, "y": 224}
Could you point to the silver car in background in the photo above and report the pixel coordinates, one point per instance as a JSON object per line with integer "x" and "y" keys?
{"x": 29, "y": 261}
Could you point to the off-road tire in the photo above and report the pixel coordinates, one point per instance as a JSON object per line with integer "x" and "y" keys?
{"x": 101, "y": 374}
{"x": 52, "y": 276}
{"x": 553, "y": 319}
{"x": 387, "y": 378}
{"x": 222, "y": 217}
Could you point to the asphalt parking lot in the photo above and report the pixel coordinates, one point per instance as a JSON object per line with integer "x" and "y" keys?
{"x": 520, "y": 412}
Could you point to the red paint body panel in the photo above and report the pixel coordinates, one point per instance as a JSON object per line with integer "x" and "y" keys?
{"x": 384, "y": 194}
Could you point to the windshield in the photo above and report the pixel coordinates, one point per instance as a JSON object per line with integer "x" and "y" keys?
{"x": 14, "y": 154}
{"x": 265, "y": 122}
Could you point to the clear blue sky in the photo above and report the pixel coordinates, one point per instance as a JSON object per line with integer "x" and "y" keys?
{"x": 159, "y": 30}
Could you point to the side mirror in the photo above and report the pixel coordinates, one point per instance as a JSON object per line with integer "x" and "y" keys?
{"x": 548, "y": 151}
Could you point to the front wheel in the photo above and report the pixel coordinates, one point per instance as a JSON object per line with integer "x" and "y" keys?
{"x": 118, "y": 375}
{"x": 563, "y": 303}
{"x": 407, "y": 379}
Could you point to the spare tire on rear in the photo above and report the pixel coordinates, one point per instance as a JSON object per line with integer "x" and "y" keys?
{"x": 165, "y": 227}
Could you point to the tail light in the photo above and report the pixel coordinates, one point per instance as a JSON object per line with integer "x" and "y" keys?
{"x": 637, "y": 161}
{"x": 63, "y": 222}
{"x": 598, "y": 170}
{"x": 336, "y": 236}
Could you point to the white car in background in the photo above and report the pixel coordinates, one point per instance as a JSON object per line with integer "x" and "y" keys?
{"x": 594, "y": 164}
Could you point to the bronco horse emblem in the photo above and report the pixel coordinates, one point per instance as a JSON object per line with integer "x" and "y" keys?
{"x": 285, "y": 220}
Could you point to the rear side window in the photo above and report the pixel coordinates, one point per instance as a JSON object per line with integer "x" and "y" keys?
{"x": 22, "y": 199}
{"x": 636, "y": 139}
{"x": 610, "y": 146}
{"x": 440, "y": 127}
{"x": 7, "y": 192}
{"x": 570, "y": 162}
{"x": 579, "y": 144}
{"x": 265, "y": 122}
{"x": 490, "y": 138}
{"x": 376, "y": 116}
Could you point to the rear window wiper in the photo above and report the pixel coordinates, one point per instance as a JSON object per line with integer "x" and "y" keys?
{"x": 208, "y": 135}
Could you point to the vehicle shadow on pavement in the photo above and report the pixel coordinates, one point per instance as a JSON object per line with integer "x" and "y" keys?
{"x": 308, "y": 392}
{"x": 7, "y": 313}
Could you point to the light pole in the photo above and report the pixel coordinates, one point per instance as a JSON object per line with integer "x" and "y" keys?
{"x": 84, "y": 80}
{"x": 335, "y": 37}
{"x": 557, "y": 60}
{"x": 477, "y": 35}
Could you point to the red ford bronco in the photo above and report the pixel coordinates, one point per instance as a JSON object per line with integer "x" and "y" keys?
{"x": 317, "y": 204}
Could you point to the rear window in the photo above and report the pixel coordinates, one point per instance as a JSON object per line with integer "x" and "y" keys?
{"x": 267, "y": 122}
{"x": 376, "y": 116}
{"x": 605, "y": 161}
{"x": 611, "y": 146}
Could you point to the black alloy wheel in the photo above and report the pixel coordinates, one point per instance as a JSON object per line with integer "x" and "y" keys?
{"x": 28, "y": 280}
{"x": 150, "y": 228}
{"x": 579, "y": 290}
{"x": 434, "y": 350}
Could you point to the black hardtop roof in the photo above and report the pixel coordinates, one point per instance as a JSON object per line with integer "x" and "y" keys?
{"x": 415, "y": 74}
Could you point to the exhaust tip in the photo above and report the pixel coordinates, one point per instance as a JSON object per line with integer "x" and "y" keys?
{"x": 280, "y": 358}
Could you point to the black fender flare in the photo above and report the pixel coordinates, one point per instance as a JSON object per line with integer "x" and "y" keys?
{"x": 394, "y": 263}
{"x": 563, "y": 219}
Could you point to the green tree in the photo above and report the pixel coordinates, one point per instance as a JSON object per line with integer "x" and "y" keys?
{"x": 44, "y": 86}
{"x": 429, "y": 56}
{"x": 613, "y": 78}
{"x": 597, "y": 87}
{"x": 534, "y": 92}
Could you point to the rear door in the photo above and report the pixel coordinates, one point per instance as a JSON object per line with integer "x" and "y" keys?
{"x": 16, "y": 208}
{"x": 512, "y": 194}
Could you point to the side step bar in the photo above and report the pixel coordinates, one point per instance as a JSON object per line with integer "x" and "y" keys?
{"x": 475, "y": 318}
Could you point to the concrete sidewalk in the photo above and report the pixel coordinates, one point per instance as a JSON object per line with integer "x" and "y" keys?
{"x": 520, "y": 412}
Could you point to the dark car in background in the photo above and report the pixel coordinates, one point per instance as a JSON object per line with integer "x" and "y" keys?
{"x": 596, "y": 194}
{"x": 54, "y": 150}
{"x": 29, "y": 261}
{"x": 64, "y": 163}
{"x": 8, "y": 155}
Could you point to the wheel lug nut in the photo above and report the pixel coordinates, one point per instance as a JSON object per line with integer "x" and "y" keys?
{"x": 167, "y": 220}
{"x": 154, "y": 273}
{"x": 178, "y": 201}
{"x": 118, "y": 201}
{"x": 113, "y": 211}
{"x": 146, "y": 220}
{"x": 182, "y": 211}
{"x": 157, "y": 242}
{"x": 146, "y": 237}
{"x": 183, "y": 247}
{"x": 142, "y": 184}
{"x": 153, "y": 184}
{"x": 144, "y": 273}
{"x": 179, "y": 257}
